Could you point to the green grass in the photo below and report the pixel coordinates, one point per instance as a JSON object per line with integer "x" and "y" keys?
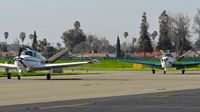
{"x": 104, "y": 65}
{"x": 167, "y": 95}
{"x": 162, "y": 95}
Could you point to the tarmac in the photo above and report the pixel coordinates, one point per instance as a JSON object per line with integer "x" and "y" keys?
{"x": 116, "y": 85}
{"x": 179, "y": 101}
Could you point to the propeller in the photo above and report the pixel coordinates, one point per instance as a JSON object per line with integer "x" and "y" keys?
{"x": 19, "y": 59}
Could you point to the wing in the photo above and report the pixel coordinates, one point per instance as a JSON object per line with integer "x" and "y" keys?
{"x": 10, "y": 66}
{"x": 150, "y": 64}
{"x": 186, "y": 65}
{"x": 60, "y": 65}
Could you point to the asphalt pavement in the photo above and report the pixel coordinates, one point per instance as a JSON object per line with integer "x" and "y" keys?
{"x": 175, "y": 101}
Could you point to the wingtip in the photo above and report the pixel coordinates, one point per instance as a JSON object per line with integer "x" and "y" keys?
{"x": 95, "y": 61}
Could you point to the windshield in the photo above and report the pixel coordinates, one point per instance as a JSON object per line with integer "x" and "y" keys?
{"x": 29, "y": 53}
{"x": 168, "y": 55}
{"x": 33, "y": 54}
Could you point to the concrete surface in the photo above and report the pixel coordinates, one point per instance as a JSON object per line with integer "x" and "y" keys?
{"x": 178, "y": 101}
{"x": 112, "y": 83}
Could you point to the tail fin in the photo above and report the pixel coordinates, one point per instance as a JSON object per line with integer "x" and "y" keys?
{"x": 57, "y": 56}
{"x": 162, "y": 52}
{"x": 183, "y": 55}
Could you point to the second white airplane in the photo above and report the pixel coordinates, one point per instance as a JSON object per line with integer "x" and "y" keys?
{"x": 167, "y": 61}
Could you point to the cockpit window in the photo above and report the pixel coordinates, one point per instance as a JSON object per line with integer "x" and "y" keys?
{"x": 29, "y": 53}
{"x": 168, "y": 55}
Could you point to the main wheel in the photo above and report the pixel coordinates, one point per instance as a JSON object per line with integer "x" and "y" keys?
{"x": 183, "y": 71}
{"x": 153, "y": 71}
{"x": 48, "y": 76}
{"x": 19, "y": 77}
{"x": 8, "y": 75}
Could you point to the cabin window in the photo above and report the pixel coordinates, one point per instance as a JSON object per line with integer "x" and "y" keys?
{"x": 29, "y": 53}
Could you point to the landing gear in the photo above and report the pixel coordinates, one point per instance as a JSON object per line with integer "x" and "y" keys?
{"x": 48, "y": 76}
{"x": 153, "y": 71}
{"x": 19, "y": 77}
{"x": 164, "y": 71}
{"x": 183, "y": 71}
{"x": 8, "y": 75}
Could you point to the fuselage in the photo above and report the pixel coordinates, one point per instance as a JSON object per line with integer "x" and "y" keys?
{"x": 167, "y": 61}
{"x": 30, "y": 60}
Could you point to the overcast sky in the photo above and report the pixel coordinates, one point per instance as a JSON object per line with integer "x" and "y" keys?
{"x": 105, "y": 18}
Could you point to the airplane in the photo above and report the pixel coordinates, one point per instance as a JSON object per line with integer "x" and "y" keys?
{"x": 168, "y": 60}
{"x": 29, "y": 61}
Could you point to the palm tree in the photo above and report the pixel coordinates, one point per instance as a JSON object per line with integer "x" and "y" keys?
{"x": 31, "y": 36}
{"x": 58, "y": 45}
{"x": 22, "y": 36}
{"x": 77, "y": 25}
{"x": 125, "y": 35}
{"x": 6, "y": 36}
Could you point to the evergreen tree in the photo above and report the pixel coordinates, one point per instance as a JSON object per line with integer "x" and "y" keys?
{"x": 34, "y": 44}
{"x": 118, "y": 49}
{"x": 164, "y": 42}
{"x": 144, "y": 40}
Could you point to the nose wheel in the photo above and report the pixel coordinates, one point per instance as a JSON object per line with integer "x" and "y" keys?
{"x": 19, "y": 77}
{"x": 164, "y": 72}
{"x": 183, "y": 71}
{"x": 153, "y": 71}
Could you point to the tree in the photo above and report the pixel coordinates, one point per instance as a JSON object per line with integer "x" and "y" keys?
{"x": 3, "y": 47}
{"x": 180, "y": 32}
{"x": 31, "y": 36}
{"x": 6, "y": 36}
{"x": 145, "y": 44}
{"x": 196, "y": 28}
{"x": 73, "y": 37}
{"x": 125, "y": 47}
{"x": 164, "y": 42}
{"x": 93, "y": 44}
{"x": 77, "y": 25}
{"x": 58, "y": 45}
{"x": 118, "y": 49}
{"x": 125, "y": 34}
{"x": 34, "y": 44}
{"x": 22, "y": 36}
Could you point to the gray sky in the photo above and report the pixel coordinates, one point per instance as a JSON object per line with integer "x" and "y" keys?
{"x": 105, "y": 18}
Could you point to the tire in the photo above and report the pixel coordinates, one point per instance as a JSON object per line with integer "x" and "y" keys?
{"x": 8, "y": 75}
{"x": 183, "y": 71}
{"x": 164, "y": 72}
{"x": 153, "y": 71}
{"x": 48, "y": 76}
{"x": 19, "y": 77}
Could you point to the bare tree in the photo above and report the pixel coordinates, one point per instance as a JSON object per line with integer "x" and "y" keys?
{"x": 180, "y": 32}
{"x": 196, "y": 28}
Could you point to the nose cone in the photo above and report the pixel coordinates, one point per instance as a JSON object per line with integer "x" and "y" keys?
{"x": 165, "y": 62}
{"x": 164, "y": 59}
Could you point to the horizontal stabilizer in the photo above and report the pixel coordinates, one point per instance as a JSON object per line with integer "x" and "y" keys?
{"x": 57, "y": 56}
